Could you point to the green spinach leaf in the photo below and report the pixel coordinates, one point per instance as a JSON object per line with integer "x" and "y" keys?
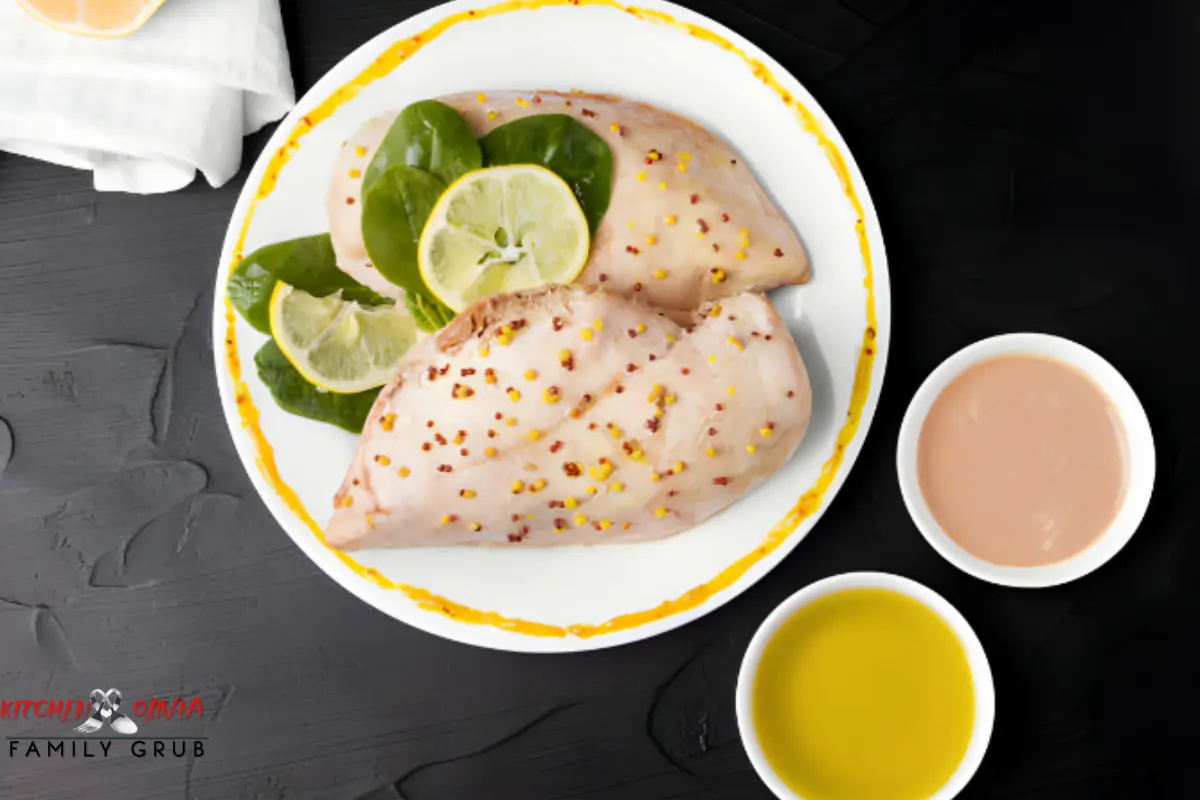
{"x": 430, "y": 314}
{"x": 307, "y": 263}
{"x": 297, "y": 396}
{"x": 394, "y": 214}
{"x": 431, "y": 136}
{"x": 565, "y": 147}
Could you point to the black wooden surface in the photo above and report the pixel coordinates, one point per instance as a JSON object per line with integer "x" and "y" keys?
{"x": 1034, "y": 168}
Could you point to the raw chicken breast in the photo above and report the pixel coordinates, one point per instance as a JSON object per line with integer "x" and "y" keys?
{"x": 687, "y": 222}
{"x": 570, "y": 415}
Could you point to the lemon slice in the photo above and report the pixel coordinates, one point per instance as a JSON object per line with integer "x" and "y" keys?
{"x": 502, "y": 229}
{"x": 336, "y": 344}
{"x": 97, "y": 18}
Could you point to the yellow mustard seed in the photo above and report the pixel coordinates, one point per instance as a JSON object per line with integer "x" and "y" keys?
{"x": 537, "y": 485}
{"x": 655, "y": 477}
{"x": 514, "y": 395}
{"x": 739, "y": 255}
{"x": 446, "y": 519}
{"x": 534, "y": 434}
{"x": 522, "y": 102}
{"x": 510, "y": 421}
{"x": 662, "y": 186}
{"x": 580, "y": 520}
{"x": 641, "y": 328}
{"x": 750, "y": 449}
{"x": 570, "y": 502}
{"x": 458, "y": 439}
{"x": 481, "y": 97}
{"x": 678, "y": 467}
{"x": 711, "y": 452}
{"x": 685, "y": 157}
{"x": 591, "y": 490}
{"x": 517, "y": 487}
{"x": 586, "y": 334}
{"x": 629, "y": 225}
{"x": 615, "y": 128}
{"x": 404, "y": 472}
{"x": 744, "y": 232}
{"x": 347, "y": 501}
{"x": 718, "y": 275}
{"x": 733, "y": 342}
{"x": 483, "y": 351}
{"x": 388, "y": 422}
{"x": 504, "y": 340}
{"x": 712, "y": 359}
{"x": 651, "y": 239}
{"x": 658, "y": 413}
{"x": 491, "y": 115}
{"x": 670, "y": 339}
{"x": 683, "y": 167}
{"x": 625, "y": 525}
{"x": 669, "y": 399}
{"x": 490, "y": 452}
{"x": 598, "y": 324}
{"x": 564, "y": 355}
{"x": 614, "y": 431}
{"x": 660, "y": 512}
{"x": 660, "y": 274}
{"x": 354, "y": 173}
{"x": 468, "y": 494}
{"x": 360, "y": 151}
{"x": 670, "y": 219}
{"x": 382, "y": 461}
{"x": 605, "y": 524}
{"x": 530, "y": 374}
{"x": 475, "y": 526}
{"x": 551, "y": 395}
{"x": 715, "y": 311}
{"x": 641, "y": 176}
{"x": 730, "y": 390}
{"x": 558, "y": 529}
{"x": 764, "y": 433}
{"x": 616, "y": 487}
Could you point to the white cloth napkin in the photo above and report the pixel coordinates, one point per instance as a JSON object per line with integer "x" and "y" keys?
{"x": 145, "y": 111}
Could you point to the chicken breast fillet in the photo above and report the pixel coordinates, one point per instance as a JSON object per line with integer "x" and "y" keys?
{"x": 570, "y": 415}
{"x": 682, "y": 202}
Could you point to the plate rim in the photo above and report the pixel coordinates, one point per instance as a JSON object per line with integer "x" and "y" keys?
{"x": 492, "y": 636}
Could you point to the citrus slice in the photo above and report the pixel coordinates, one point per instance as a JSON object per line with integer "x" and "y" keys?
{"x": 336, "y": 344}
{"x": 502, "y": 229}
{"x": 102, "y": 18}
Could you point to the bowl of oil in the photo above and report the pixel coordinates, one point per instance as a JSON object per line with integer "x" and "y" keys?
{"x": 865, "y": 685}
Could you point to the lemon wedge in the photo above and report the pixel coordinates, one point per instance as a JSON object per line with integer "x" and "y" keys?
{"x": 502, "y": 229}
{"x": 336, "y": 344}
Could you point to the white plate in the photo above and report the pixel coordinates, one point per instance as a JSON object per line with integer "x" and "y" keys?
{"x": 587, "y": 597}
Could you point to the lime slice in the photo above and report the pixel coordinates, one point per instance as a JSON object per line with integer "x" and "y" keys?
{"x": 501, "y": 230}
{"x": 336, "y": 344}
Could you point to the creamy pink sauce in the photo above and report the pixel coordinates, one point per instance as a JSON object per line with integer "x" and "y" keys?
{"x": 1021, "y": 460}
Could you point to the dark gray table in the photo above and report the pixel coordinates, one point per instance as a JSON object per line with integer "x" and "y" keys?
{"x": 1034, "y": 166}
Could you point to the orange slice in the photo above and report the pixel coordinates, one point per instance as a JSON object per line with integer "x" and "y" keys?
{"x": 101, "y": 18}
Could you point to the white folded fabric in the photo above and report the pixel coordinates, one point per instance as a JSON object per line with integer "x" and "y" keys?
{"x": 145, "y": 111}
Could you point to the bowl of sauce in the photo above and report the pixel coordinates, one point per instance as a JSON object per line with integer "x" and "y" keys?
{"x": 1026, "y": 460}
{"x": 865, "y": 685}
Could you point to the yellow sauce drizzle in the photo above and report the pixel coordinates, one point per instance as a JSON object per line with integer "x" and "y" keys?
{"x": 808, "y": 503}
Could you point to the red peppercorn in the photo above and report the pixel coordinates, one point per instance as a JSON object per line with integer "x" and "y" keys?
{"x": 685, "y": 371}
{"x": 703, "y": 225}
{"x": 791, "y": 393}
{"x": 721, "y": 481}
{"x": 695, "y": 199}
{"x": 620, "y": 389}
{"x": 712, "y": 431}
{"x": 603, "y": 277}
{"x": 557, "y": 323}
{"x": 445, "y": 468}
{"x": 724, "y": 218}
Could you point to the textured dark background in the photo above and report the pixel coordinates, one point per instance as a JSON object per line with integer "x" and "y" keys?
{"x": 1033, "y": 164}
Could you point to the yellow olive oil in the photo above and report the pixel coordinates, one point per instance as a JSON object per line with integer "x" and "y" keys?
{"x": 864, "y": 693}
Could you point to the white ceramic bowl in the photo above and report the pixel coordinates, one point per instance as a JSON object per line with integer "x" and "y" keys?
{"x": 981, "y": 673}
{"x": 1139, "y": 454}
